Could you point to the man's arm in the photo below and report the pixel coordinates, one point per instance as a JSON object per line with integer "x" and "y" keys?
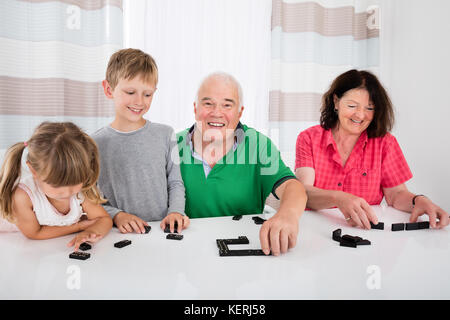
{"x": 279, "y": 233}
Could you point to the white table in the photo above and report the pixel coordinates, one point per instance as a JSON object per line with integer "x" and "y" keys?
{"x": 398, "y": 265}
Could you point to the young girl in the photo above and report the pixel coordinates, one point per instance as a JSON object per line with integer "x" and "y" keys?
{"x": 60, "y": 196}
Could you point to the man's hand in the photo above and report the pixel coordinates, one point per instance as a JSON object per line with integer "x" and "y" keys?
{"x": 279, "y": 233}
{"x": 181, "y": 220}
{"x": 127, "y": 223}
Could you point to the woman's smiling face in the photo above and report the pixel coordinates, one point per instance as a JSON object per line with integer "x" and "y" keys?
{"x": 355, "y": 111}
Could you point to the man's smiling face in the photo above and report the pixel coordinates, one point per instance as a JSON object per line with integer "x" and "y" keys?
{"x": 217, "y": 109}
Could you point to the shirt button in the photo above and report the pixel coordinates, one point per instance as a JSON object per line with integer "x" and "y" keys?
{"x": 364, "y": 174}
{"x": 339, "y": 184}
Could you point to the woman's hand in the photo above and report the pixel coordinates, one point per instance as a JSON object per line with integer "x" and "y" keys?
{"x": 426, "y": 206}
{"x": 356, "y": 210}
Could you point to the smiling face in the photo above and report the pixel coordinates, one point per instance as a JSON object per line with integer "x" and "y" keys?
{"x": 217, "y": 110}
{"x": 355, "y": 111}
{"x": 132, "y": 99}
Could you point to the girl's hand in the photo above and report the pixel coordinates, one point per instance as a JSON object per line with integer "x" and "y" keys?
{"x": 84, "y": 236}
{"x": 182, "y": 222}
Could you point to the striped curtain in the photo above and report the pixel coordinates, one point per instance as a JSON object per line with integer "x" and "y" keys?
{"x": 312, "y": 43}
{"x": 53, "y": 57}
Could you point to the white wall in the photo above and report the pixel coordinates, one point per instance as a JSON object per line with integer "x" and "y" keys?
{"x": 415, "y": 67}
{"x": 192, "y": 38}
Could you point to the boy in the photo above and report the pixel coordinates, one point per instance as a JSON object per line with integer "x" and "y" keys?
{"x": 139, "y": 174}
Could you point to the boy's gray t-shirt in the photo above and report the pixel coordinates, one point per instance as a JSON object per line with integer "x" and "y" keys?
{"x": 139, "y": 171}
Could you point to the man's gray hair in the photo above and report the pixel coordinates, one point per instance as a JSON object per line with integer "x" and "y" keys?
{"x": 227, "y": 78}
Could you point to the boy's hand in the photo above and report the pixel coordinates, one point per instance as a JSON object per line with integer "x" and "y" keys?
{"x": 182, "y": 221}
{"x": 127, "y": 222}
{"x": 84, "y": 236}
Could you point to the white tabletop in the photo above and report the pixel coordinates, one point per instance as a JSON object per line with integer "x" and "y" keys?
{"x": 398, "y": 265}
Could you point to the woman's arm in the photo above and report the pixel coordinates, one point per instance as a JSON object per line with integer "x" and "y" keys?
{"x": 356, "y": 210}
{"x": 400, "y": 198}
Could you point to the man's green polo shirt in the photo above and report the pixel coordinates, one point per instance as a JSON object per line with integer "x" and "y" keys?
{"x": 239, "y": 183}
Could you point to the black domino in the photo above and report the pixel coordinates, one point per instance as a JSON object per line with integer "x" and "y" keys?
{"x": 349, "y": 244}
{"x": 173, "y": 236}
{"x": 337, "y": 235}
{"x": 412, "y": 226}
{"x": 258, "y": 220}
{"x": 379, "y": 226}
{"x": 238, "y": 217}
{"x": 363, "y": 242}
{"x": 85, "y": 246}
{"x": 398, "y": 227}
{"x": 241, "y": 253}
{"x": 147, "y": 229}
{"x": 122, "y": 243}
{"x": 175, "y": 227}
{"x": 79, "y": 255}
{"x": 349, "y": 238}
{"x": 424, "y": 225}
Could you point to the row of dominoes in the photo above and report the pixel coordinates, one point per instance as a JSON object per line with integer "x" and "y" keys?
{"x": 123, "y": 243}
{"x": 403, "y": 226}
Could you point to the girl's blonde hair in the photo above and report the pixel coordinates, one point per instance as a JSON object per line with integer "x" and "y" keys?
{"x": 61, "y": 154}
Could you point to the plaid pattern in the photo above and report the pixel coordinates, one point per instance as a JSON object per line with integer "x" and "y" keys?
{"x": 374, "y": 163}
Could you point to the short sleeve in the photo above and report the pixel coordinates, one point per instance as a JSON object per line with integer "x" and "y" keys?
{"x": 273, "y": 171}
{"x": 303, "y": 151}
{"x": 394, "y": 168}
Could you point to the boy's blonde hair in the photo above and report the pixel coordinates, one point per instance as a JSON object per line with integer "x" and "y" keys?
{"x": 129, "y": 63}
{"x": 61, "y": 154}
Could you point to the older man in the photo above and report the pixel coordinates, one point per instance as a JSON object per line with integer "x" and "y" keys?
{"x": 230, "y": 169}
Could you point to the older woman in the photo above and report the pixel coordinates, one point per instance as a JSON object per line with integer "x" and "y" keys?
{"x": 350, "y": 161}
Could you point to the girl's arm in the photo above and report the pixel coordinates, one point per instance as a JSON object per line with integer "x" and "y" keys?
{"x": 103, "y": 223}
{"x": 28, "y": 224}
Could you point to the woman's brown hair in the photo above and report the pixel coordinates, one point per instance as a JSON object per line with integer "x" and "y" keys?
{"x": 383, "y": 119}
{"x": 61, "y": 154}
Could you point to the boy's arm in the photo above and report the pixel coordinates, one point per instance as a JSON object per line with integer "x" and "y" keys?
{"x": 175, "y": 185}
{"x": 111, "y": 210}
